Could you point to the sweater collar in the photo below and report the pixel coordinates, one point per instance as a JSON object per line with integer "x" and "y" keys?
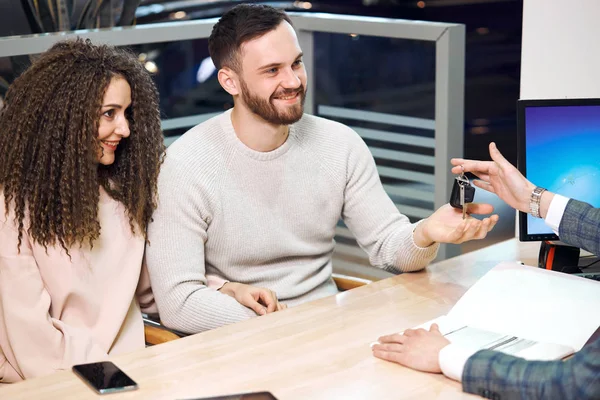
{"x": 227, "y": 126}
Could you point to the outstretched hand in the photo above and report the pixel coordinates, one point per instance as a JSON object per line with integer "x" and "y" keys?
{"x": 498, "y": 176}
{"x": 446, "y": 225}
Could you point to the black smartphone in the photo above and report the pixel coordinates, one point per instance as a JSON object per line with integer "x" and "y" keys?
{"x": 104, "y": 377}
{"x": 242, "y": 396}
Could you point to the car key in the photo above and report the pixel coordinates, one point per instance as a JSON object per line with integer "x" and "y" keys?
{"x": 462, "y": 193}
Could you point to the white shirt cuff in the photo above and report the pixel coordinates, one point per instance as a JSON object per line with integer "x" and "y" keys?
{"x": 556, "y": 211}
{"x": 452, "y": 360}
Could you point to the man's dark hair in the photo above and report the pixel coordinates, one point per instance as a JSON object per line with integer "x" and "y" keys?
{"x": 240, "y": 24}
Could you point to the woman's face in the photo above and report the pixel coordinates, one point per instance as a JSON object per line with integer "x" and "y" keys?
{"x": 114, "y": 124}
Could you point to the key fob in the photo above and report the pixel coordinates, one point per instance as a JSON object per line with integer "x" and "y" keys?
{"x": 463, "y": 181}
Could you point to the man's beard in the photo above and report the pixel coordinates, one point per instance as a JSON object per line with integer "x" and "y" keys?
{"x": 268, "y": 111}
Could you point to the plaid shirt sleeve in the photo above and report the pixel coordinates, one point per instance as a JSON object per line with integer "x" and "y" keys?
{"x": 495, "y": 375}
{"x": 580, "y": 226}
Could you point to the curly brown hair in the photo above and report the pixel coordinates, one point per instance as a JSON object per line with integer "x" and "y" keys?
{"x": 49, "y": 144}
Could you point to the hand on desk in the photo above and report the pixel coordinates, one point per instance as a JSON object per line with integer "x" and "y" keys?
{"x": 446, "y": 225}
{"x": 417, "y": 348}
{"x": 262, "y": 301}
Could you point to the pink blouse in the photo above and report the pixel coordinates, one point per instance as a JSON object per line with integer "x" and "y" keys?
{"x": 56, "y": 312}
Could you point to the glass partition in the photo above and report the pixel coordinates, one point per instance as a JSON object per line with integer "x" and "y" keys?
{"x": 398, "y": 83}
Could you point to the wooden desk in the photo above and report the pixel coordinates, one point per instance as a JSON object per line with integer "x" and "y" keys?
{"x": 319, "y": 350}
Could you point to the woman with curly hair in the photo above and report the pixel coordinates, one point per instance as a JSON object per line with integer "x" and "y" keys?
{"x": 80, "y": 152}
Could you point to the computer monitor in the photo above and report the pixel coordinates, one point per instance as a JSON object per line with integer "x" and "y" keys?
{"x": 558, "y": 149}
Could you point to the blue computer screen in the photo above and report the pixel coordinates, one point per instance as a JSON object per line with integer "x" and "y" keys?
{"x": 562, "y": 153}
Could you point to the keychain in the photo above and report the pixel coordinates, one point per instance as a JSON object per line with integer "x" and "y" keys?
{"x": 462, "y": 193}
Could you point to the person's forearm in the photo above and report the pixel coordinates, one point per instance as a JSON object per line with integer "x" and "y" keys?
{"x": 420, "y": 236}
{"x": 413, "y": 251}
{"x": 545, "y": 203}
{"x": 39, "y": 343}
{"x": 376, "y": 223}
{"x": 192, "y": 310}
{"x": 512, "y": 377}
{"x": 579, "y": 226}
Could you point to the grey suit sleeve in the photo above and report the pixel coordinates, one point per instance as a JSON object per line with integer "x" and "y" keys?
{"x": 495, "y": 375}
{"x": 580, "y": 226}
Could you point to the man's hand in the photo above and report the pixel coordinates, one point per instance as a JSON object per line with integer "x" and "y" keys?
{"x": 446, "y": 225}
{"x": 262, "y": 301}
{"x": 499, "y": 177}
{"x": 417, "y": 349}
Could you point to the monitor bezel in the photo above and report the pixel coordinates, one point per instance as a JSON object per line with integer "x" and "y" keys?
{"x": 521, "y": 157}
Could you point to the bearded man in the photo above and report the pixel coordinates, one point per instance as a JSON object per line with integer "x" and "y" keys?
{"x": 249, "y": 200}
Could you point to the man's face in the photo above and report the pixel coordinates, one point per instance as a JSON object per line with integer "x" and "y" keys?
{"x": 273, "y": 78}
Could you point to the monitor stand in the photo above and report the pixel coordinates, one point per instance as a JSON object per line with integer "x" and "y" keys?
{"x": 562, "y": 258}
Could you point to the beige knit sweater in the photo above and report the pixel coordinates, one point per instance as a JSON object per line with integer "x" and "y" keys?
{"x": 266, "y": 219}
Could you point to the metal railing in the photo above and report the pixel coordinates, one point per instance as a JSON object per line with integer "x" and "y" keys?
{"x": 446, "y": 128}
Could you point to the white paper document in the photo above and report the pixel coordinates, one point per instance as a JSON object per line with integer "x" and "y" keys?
{"x": 524, "y": 311}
